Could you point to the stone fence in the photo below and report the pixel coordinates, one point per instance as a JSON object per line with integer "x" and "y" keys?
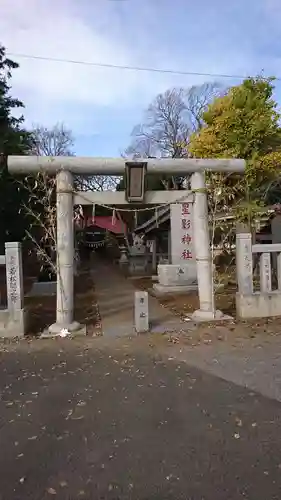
{"x": 13, "y": 318}
{"x": 265, "y": 302}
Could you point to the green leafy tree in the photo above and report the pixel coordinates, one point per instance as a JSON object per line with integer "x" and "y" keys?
{"x": 14, "y": 139}
{"x": 244, "y": 123}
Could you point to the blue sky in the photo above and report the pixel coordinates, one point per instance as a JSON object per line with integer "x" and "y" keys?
{"x": 101, "y": 105}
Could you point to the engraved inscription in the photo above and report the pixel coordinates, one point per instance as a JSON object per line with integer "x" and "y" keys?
{"x": 12, "y": 277}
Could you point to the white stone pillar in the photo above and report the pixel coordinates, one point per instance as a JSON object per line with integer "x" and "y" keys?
{"x": 15, "y": 291}
{"x": 244, "y": 261}
{"x": 181, "y": 233}
{"x": 279, "y": 271}
{"x": 14, "y": 277}
{"x": 65, "y": 255}
{"x": 201, "y": 242}
{"x": 265, "y": 273}
{"x": 276, "y": 236}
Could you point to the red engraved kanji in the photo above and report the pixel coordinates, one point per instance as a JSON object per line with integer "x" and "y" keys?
{"x": 185, "y": 224}
{"x": 185, "y": 209}
{"x": 186, "y": 239}
{"x": 186, "y": 254}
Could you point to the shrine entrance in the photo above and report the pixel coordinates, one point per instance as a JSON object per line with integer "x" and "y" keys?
{"x": 135, "y": 173}
{"x": 135, "y": 258}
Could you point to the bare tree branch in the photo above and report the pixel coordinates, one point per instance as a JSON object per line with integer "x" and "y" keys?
{"x": 58, "y": 141}
{"x": 55, "y": 141}
{"x": 170, "y": 120}
{"x": 197, "y": 99}
{"x": 96, "y": 183}
{"x": 168, "y": 124}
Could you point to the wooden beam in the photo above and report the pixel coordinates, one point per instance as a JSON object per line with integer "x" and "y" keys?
{"x": 118, "y": 198}
{"x": 116, "y": 166}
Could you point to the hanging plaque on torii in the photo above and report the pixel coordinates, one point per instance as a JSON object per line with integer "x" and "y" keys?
{"x": 135, "y": 181}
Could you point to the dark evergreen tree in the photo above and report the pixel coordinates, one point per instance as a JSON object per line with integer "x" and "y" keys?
{"x": 14, "y": 140}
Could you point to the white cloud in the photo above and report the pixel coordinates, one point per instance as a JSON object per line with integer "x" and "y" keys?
{"x": 96, "y": 30}
{"x": 57, "y": 91}
{"x": 49, "y": 28}
{"x": 54, "y": 29}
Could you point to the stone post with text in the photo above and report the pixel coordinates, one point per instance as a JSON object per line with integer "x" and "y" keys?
{"x": 15, "y": 292}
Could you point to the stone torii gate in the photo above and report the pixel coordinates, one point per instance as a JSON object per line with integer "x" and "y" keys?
{"x": 65, "y": 167}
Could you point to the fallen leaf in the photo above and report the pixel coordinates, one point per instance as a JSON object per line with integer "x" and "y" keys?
{"x": 22, "y": 479}
{"x": 51, "y": 491}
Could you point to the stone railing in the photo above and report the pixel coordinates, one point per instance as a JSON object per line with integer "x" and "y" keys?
{"x": 266, "y": 301}
{"x": 13, "y": 318}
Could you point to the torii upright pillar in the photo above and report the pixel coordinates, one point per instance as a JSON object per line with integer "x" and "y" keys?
{"x": 65, "y": 255}
{"x": 201, "y": 241}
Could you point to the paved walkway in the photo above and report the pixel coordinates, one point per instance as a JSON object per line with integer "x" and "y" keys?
{"x": 115, "y": 296}
{"x": 82, "y": 420}
{"x": 253, "y": 363}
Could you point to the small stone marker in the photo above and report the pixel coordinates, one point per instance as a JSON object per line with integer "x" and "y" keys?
{"x": 141, "y": 312}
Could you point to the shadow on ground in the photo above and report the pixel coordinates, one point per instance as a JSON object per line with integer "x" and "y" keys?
{"x": 42, "y": 310}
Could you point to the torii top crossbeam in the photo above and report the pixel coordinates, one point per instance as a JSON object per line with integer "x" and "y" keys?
{"x": 116, "y": 166}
